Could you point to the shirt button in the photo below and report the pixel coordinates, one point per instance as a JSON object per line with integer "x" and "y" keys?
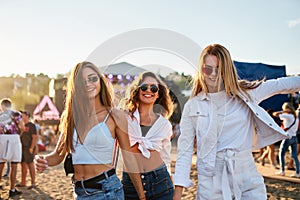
{"x": 270, "y": 124}
{"x": 144, "y": 184}
{"x": 256, "y": 114}
{"x": 142, "y": 176}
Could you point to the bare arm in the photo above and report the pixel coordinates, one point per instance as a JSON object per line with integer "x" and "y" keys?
{"x": 33, "y": 144}
{"x": 128, "y": 155}
{"x": 21, "y": 126}
{"x": 178, "y": 192}
{"x": 52, "y": 159}
{"x": 276, "y": 114}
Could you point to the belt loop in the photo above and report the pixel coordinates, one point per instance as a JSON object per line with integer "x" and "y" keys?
{"x": 82, "y": 185}
{"x": 155, "y": 173}
{"x": 106, "y": 175}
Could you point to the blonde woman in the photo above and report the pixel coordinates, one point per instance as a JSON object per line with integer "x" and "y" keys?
{"x": 222, "y": 114}
{"x": 89, "y": 129}
{"x": 290, "y": 125}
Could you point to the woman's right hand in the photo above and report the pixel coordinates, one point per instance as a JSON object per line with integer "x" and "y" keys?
{"x": 177, "y": 192}
{"x": 40, "y": 163}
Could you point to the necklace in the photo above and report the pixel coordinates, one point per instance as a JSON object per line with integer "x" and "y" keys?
{"x": 97, "y": 112}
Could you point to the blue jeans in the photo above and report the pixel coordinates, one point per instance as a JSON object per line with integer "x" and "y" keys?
{"x": 157, "y": 184}
{"x": 111, "y": 189}
{"x": 283, "y": 149}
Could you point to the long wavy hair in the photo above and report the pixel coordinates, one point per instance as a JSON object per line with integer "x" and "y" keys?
{"x": 163, "y": 103}
{"x": 77, "y": 106}
{"x": 227, "y": 73}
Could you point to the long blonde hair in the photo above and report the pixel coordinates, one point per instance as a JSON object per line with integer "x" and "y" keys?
{"x": 289, "y": 108}
{"x": 227, "y": 73}
{"x": 77, "y": 106}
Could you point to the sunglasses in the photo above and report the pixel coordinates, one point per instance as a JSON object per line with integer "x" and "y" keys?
{"x": 92, "y": 79}
{"x": 208, "y": 70}
{"x": 153, "y": 88}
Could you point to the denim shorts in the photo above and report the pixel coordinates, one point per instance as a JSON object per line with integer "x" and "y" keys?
{"x": 111, "y": 189}
{"x": 157, "y": 185}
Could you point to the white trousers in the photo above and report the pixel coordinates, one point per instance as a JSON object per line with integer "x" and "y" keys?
{"x": 236, "y": 177}
{"x": 10, "y": 148}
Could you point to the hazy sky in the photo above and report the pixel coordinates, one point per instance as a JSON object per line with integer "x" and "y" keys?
{"x": 52, "y": 36}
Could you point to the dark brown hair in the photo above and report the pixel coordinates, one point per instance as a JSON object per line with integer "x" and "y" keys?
{"x": 164, "y": 100}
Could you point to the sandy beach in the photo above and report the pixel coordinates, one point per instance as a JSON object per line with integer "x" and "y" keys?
{"x": 54, "y": 184}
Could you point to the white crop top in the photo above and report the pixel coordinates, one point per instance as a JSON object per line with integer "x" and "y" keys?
{"x": 97, "y": 147}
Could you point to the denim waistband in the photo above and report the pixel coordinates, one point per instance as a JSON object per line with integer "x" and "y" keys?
{"x": 159, "y": 169}
{"x": 93, "y": 182}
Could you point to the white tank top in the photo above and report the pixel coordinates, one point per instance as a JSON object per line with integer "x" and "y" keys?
{"x": 97, "y": 147}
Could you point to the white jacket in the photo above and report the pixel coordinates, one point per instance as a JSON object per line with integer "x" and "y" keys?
{"x": 267, "y": 131}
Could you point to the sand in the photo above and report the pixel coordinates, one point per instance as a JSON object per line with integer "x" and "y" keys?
{"x": 54, "y": 184}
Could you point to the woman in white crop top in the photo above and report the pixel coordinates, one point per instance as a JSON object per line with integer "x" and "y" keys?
{"x": 89, "y": 127}
{"x": 149, "y": 103}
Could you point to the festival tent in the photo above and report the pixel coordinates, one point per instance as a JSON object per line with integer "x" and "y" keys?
{"x": 46, "y": 112}
{"x": 258, "y": 71}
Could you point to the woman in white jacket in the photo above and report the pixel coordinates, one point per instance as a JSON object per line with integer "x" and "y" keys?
{"x": 224, "y": 116}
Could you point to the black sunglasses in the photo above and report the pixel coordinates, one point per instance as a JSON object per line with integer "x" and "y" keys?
{"x": 92, "y": 79}
{"x": 153, "y": 88}
{"x": 208, "y": 70}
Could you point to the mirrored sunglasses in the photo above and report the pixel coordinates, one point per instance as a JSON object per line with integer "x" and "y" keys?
{"x": 92, "y": 79}
{"x": 208, "y": 70}
{"x": 153, "y": 88}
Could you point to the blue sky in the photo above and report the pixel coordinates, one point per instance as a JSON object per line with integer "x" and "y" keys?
{"x": 52, "y": 36}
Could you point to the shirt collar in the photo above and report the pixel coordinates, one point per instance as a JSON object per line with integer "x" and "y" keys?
{"x": 136, "y": 115}
{"x": 202, "y": 96}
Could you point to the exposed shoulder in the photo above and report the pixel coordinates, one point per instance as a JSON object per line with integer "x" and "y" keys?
{"x": 118, "y": 114}
{"x": 120, "y": 117}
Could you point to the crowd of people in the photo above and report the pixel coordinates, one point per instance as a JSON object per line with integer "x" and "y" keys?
{"x": 222, "y": 119}
{"x": 19, "y": 142}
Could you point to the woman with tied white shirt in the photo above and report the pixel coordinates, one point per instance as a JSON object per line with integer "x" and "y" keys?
{"x": 224, "y": 116}
{"x": 149, "y": 105}
{"x": 290, "y": 123}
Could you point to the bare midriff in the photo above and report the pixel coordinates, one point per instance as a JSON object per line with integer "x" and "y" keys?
{"x": 86, "y": 171}
{"x": 147, "y": 164}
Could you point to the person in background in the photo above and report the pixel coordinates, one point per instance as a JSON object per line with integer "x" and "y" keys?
{"x": 90, "y": 126}
{"x": 28, "y": 140}
{"x": 11, "y": 126}
{"x": 222, "y": 113}
{"x": 150, "y": 132}
{"x": 38, "y": 135}
{"x": 291, "y": 162}
{"x": 270, "y": 151}
{"x": 6, "y": 174}
{"x": 290, "y": 125}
